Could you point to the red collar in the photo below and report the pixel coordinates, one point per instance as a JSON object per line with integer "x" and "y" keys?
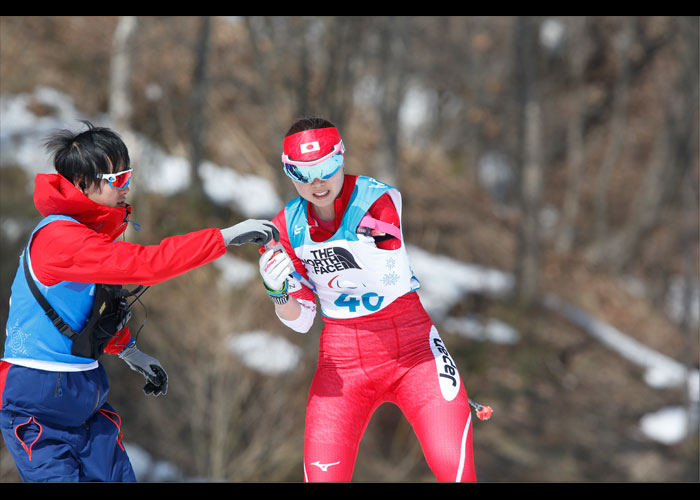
{"x": 321, "y": 231}
{"x": 56, "y": 195}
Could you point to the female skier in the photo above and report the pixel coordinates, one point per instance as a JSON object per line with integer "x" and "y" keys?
{"x": 341, "y": 239}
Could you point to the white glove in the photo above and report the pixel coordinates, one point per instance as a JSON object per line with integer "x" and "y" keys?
{"x": 250, "y": 231}
{"x": 275, "y": 267}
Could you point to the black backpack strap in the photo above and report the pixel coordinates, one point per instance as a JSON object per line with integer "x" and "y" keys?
{"x": 50, "y": 311}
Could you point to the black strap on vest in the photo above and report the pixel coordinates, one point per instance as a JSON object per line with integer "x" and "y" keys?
{"x": 50, "y": 311}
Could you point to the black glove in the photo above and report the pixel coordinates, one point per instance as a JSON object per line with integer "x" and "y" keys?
{"x": 250, "y": 231}
{"x": 161, "y": 386}
{"x": 147, "y": 366}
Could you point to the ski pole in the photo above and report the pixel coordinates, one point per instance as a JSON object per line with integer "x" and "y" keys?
{"x": 483, "y": 412}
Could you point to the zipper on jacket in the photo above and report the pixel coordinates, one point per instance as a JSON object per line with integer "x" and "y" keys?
{"x": 59, "y": 391}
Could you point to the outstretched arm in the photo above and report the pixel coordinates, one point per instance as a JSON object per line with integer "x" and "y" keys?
{"x": 69, "y": 251}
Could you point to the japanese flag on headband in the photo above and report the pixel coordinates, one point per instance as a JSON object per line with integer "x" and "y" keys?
{"x": 311, "y": 145}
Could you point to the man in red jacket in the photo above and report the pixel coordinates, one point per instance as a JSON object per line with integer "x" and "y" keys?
{"x": 54, "y": 417}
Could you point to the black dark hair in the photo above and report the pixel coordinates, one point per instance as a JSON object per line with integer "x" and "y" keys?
{"x": 79, "y": 157}
{"x": 309, "y": 123}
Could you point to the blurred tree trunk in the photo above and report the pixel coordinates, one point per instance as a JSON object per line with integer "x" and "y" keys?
{"x": 261, "y": 32}
{"x": 575, "y": 134}
{"x": 264, "y": 86}
{"x": 689, "y": 239}
{"x": 197, "y": 123}
{"x": 475, "y": 74}
{"x": 671, "y": 155}
{"x": 616, "y": 135}
{"x": 617, "y": 249}
{"x": 345, "y": 57}
{"x": 392, "y": 76}
{"x": 120, "y": 74}
{"x": 688, "y": 149}
{"x": 530, "y": 130}
{"x": 120, "y": 98}
{"x": 300, "y": 52}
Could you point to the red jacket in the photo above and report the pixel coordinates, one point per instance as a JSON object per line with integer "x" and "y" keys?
{"x": 88, "y": 253}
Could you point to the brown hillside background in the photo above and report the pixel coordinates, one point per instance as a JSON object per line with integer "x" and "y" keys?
{"x": 599, "y": 129}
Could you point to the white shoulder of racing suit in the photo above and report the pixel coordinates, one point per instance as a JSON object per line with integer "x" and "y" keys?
{"x": 306, "y": 318}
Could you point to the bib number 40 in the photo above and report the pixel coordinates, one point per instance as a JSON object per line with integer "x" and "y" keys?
{"x": 370, "y": 301}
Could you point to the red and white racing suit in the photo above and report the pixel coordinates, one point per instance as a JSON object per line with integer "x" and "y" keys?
{"x": 378, "y": 344}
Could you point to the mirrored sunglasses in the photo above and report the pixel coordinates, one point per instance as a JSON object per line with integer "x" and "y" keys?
{"x": 117, "y": 180}
{"x": 323, "y": 171}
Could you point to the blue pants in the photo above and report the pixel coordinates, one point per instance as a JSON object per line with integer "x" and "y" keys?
{"x": 58, "y": 426}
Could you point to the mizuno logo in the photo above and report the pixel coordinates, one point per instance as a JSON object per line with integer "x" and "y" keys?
{"x": 323, "y": 467}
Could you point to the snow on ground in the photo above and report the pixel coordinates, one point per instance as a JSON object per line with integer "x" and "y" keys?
{"x": 491, "y": 330}
{"x": 265, "y": 353}
{"x": 661, "y": 371}
{"x": 236, "y": 273}
{"x": 444, "y": 281}
{"x": 22, "y": 136}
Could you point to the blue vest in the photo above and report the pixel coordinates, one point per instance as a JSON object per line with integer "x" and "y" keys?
{"x": 30, "y": 333}
{"x": 367, "y": 191}
{"x": 350, "y": 275}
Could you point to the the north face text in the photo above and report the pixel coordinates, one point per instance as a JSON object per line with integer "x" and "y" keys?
{"x": 330, "y": 260}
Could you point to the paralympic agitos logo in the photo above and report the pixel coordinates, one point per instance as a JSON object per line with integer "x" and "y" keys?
{"x": 330, "y": 260}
